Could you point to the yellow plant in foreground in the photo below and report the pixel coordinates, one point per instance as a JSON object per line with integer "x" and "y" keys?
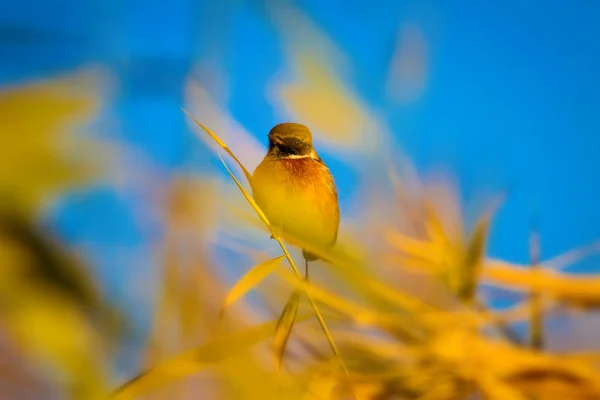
{"x": 50, "y": 309}
{"x": 371, "y": 338}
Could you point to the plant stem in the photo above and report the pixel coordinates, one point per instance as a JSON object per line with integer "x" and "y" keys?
{"x": 306, "y": 270}
{"x": 502, "y": 326}
{"x": 318, "y": 314}
{"x": 536, "y": 329}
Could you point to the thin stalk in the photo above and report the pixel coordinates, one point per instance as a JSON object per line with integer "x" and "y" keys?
{"x": 306, "y": 270}
{"x": 498, "y": 323}
{"x": 536, "y": 329}
{"x": 318, "y": 314}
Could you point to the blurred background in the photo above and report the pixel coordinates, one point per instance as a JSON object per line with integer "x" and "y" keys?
{"x": 495, "y": 97}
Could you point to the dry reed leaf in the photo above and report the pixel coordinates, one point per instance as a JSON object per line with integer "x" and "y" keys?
{"x": 52, "y": 308}
{"x": 247, "y": 196}
{"x": 516, "y": 369}
{"x": 191, "y": 362}
{"x": 321, "y": 388}
{"x": 360, "y": 315}
{"x": 52, "y": 331}
{"x": 251, "y": 279}
{"x": 37, "y": 159}
{"x": 456, "y": 260}
{"x": 222, "y": 144}
{"x": 435, "y": 227}
{"x": 339, "y": 304}
{"x": 581, "y": 290}
{"x": 428, "y": 252}
{"x": 324, "y": 104}
{"x": 247, "y": 378}
{"x": 495, "y": 389}
{"x": 248, "y": 148}
{"x": 316, "y": 93}
{"x": 474, "y": 254}
{"x": 355, "y": 273}
{"x": 284, "y": 327}
{"x": 556, "y": 381}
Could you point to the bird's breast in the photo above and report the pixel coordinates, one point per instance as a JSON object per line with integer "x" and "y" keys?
{"x": 298, "y": 196}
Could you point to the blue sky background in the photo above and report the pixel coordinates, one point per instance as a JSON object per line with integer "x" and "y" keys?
{"x": 512, "y": 99}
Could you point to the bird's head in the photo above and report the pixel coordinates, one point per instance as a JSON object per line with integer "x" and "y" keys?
{"x": 290, "y": 139}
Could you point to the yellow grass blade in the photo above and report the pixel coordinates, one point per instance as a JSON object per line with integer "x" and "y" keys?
{"x": 415, "y": 248}
{"x": 580, "y": 290}
{"x": 222, "y": 144}
{"x": 247, "y": 195}
{"x": 473, "y": 260}
{"x": 284, "y": 328}
{"x": 251, "y": 279}
{"x": 193, "y": 361}
{"x": 332, "y": 300}
{"x": 494, "y": 389}
{"x": 361, "y": 316}
{"x": 321, "y": 388}
{"x": 42, "y": 156}
{"x": 435, "y": 228}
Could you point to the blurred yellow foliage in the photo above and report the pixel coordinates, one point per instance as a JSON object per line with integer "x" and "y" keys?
{"x": 48, "y": 305}
{"x": 376, "y": 334}
{"x": 372, "y": 340}
{"x": 39, "y": 157}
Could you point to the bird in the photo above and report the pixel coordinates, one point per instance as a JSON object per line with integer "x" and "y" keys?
{"x": 296, "y": 191}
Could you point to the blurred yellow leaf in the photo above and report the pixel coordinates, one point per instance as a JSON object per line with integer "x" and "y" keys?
{"x": 415, "y": 248}
{"x": 52, "y": 309}
{"x": 249, "y": 149}
{"x": 284, "y": 327}
{"x": 581, "y": 290}
{"x": 38, "y": 158}
{"x": 342, "y": 305}
{"x": 251, "y": 279}
{"x": 317, "y": 93}
{"x": 323, "y": 103}
{"x": 473, "y": 260}
{"x": 193, "y": 361}
{"x": 361, "y": 315}
{"x": 558, "y": 381}
{"x": 223, "y": 145}
{"x": 321, "y": 388}
{"x": 495, "y": 389}
{"x": 435, "y": 228}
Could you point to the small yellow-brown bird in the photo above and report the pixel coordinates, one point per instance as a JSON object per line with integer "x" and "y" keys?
{"x": 296, "y": 190}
